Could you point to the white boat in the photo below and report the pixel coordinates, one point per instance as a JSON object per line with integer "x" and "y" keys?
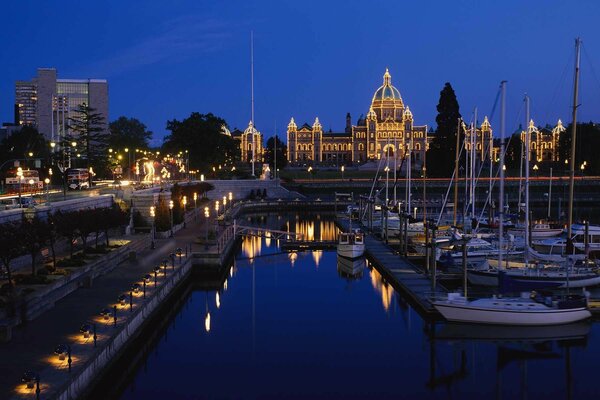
{"x": 477, "y": 250}
{"x": 557, "y": 246}
{"x": 543, "y": 277}
{"x": 525, "y": 310}
{"x": 538, "y": 231}
{"x": 351, "y": 245}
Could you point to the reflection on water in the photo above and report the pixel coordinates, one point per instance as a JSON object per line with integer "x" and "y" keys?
{"x": 276, "y": 326}
{"x": 382, "y": 287}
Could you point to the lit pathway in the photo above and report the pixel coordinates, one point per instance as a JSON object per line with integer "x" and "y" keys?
{"x": 35, "y": 341}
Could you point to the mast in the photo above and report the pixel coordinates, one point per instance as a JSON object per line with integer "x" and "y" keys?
{"x": 252, "y": 97}
{"x": 573, "y": 139}
{"x": 473, "y": 154}
{"x": 275, "y": 153}
{"x": 395, "y": 165}
{"x": 456, "y": 171}
{"x": 527, "y": 155}
{"x": 501, "y": 200}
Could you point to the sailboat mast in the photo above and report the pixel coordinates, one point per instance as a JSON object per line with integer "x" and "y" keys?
{"x": 501, "y": 200}
{"x": 527, "y": 155}
{"x": 455, "y": 208}
{"x": 573, "y": 139}
{"x": 252, "y": 97}
{"x": 395, "y": 166}
{"x": 473, "y": 154}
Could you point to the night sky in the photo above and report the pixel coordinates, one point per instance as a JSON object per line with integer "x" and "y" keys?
{"x": 312, "y": 58}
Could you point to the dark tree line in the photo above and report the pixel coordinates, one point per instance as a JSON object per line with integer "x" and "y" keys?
{"x": 30, "y": 236}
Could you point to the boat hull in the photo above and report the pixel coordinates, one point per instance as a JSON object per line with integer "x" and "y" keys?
{"x": 351, "y": 251}
{"x": 490, "y": 278}
{"x": 464, "y": 313}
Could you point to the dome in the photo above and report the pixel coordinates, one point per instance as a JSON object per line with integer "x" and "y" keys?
{"x": 387, "y": 91}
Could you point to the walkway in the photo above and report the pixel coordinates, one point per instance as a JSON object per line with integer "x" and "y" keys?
{"x": 35, "y": 341}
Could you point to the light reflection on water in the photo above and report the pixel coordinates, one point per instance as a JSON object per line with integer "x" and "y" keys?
{"x": 304, "y": 325}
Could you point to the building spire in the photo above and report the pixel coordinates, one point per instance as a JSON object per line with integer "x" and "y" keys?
{"x": 387, "y": 78}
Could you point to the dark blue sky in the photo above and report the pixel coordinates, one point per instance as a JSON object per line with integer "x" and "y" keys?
{"x": 312, "y": 58}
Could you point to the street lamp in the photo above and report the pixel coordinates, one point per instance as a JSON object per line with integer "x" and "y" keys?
{"x": 342, "y": 169}
{"x": 47, "y": 182}
{"x": 217, "y": 207}
{"x": 171, "y": 214}
{"x": 206, "y": 215}
{"x": 153, "y": 215}
{"x": 20, "y": 176}
{"x": 184, "y": 208}
{"x": 224, "y": 203}
{"x": 195, "y": 198}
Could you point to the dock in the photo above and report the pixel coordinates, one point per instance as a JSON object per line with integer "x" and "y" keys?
{"x": 402, "y": 274}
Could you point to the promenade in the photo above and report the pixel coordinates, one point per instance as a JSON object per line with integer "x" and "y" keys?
{"x": 33, "y": 343}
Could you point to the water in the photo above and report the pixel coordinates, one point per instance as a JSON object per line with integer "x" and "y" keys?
{"x": 293, "y": 326}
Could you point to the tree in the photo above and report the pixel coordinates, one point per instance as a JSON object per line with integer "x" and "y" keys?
{"x": 586, "y": 144}
{"x": 442, "y": 150}
{"x": 201, "y": 135}
{"x": 87, "y": 129}
{"x": 128, "y": 133}
{"x": 52, "y": 236}
{"x": 281, "y": 153}
{"x": 20, "y": 144}
{"x": 176, "y": 197}
{"x": 34, "y": 234}
{"x": 11, "y": 246}
{"x": 512, "y": 158}
{"x": 67, "y": 225}
{"x": 162, "y": 219}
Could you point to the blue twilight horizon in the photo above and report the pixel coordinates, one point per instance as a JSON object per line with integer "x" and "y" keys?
{"x": 311, "y": 58}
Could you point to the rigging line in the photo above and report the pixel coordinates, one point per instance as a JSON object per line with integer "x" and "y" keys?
{"x": 557, "y": 89}
{"x": 589, "y": 60}
{"x": 506, "y": 148}
{"x": 495, "y": 104}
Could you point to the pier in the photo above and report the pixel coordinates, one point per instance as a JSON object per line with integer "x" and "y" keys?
{"x": 403, "y": 275}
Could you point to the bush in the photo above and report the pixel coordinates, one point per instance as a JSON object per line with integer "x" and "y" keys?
{"x": 139, "y": 221}
{"x": 22, "y": 279}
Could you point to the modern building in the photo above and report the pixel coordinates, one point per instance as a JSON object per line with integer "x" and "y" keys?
{"x": 387, "y": 132}
{"x": 47, "y": 102}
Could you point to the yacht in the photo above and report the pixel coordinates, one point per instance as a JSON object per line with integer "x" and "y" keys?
{"x": 477, "y": 250}
{"x": 527, "y": 310}
{"x": 536, "y": 277}
{"x": 351, "y": 245}
{"x": 557, "y": 246}
{"x": 538, "y": 231}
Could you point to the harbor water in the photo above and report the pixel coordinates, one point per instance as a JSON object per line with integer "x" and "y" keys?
{"x": 305, "y": 325}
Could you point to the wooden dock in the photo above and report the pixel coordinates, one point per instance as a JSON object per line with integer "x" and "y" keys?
{"x": 305, "y": 245}
{"x": 402, "y": 274}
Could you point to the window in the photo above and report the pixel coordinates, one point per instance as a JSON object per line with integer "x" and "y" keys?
{"x": 361, "y": 147}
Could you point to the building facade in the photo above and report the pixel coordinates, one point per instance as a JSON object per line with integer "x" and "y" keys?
{"x": 47, "y": 102}
{"x": 543, "y": 143}
{"x": 388, "y": 131}
{"x": 250, "y": 142}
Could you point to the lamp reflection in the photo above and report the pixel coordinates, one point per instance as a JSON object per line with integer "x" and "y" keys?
{"x": 218, "y": 300}
{"x": 207, "y": 322}
{"x": 385, "y": 290}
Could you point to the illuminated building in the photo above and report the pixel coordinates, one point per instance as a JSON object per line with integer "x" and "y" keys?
{"x": 387, "y": 131}
{"x": 543, "y": 144}
{"x": 47, "y": 102}
{"x": 246, "y": 142}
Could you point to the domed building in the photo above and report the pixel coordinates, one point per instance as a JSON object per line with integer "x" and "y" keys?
{"x": 387, "y": 131}
{"x": 249, "y": 137}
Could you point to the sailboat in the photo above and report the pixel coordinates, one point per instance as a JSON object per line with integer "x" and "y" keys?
{"x": 534, "y": 310}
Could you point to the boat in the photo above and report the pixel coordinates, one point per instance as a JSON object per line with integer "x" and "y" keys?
{"x": 477, "y": 250}
{"x": 538, "y": 231}
{"x": 558, "y": 246}
{"x": 351, "y": 245}
{"x": 554, "y": 276}
{"x": 527, "y": 310}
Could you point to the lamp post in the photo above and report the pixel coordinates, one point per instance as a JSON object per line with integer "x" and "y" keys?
{"x": 342, "y": 169}
{"x": 206, "y": 215}
{"x": 195, "y": 209}
{"x": 31, "y": 183}
{"x": 20, "y": 176}
{"x": 224, "y": 203}
{"x": 184, "y": 208}
{"x": 217, "y": 208}
{"x": 47, "y": 182}
{"x": 171, "y": 215}
{"x": 153, "y": 215}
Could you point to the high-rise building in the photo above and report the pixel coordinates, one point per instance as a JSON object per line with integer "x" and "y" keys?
{"x": 47, "y": 102}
